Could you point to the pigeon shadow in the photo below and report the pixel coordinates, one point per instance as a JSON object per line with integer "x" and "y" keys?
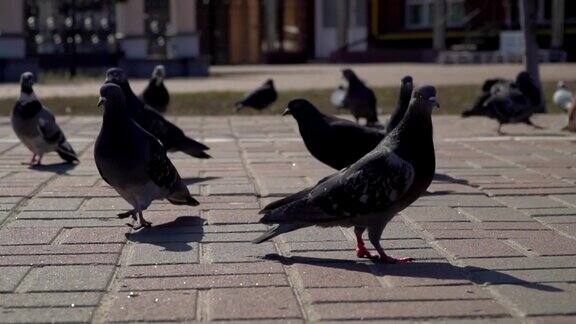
{"x": 58, "y": 168}
{"x": 441, "y": 177}
{"x": 173, "y": 236}
{"x": 192, "y": 180}
{"x": 425, "y": 270}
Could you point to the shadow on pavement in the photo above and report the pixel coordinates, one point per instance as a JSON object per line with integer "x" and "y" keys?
{"x": 58, "y": 168}
{"x": 429, "y": 270}
{"x": 191, "y": 181}
{"x": 172, "y": 236}
{"x": 446, "y": 178}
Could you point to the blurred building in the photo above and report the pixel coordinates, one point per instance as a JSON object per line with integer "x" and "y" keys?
{"x": 188, "y": 35}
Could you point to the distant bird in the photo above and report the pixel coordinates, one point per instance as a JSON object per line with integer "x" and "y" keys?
{"x": 155, "y": 94}
{"x": 371, "y": 191}
{"x": 132, "y": 161}
{"x": 337, "y": 142}
{"x": 563, "y": 97}
{"x": 510, "y": 105}
{"x": 36, "y": 126}
{"x": 338, "y": 96}
{"x": 360, "y": 99}
{"x": 172, "y": 137}
{"x": 259, "y": 99}
{"x": 499, "y": 85}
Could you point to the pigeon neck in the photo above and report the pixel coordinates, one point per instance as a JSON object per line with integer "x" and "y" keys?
{"x": 115, "y": 115}
{"x": 27, "y": 95}
{"x": 27, "y": 89}
{"x": 414, "y": 135}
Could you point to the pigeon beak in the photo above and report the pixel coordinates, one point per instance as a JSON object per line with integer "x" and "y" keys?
{"x": 286, "y": 112}
{"x": 435, "y": 103}
{"x": 101, "y": 101}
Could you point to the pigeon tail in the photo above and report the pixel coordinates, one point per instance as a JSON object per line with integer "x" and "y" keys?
{"x": 186, "y": 200}
{"x": 277, "y": 230}
{"x": 67, "y": 153}
{"x": 193, "y": 148}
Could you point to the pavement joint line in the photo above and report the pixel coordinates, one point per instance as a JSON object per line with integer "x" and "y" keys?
{"x": 520, "y": 248}
{"x": 509, "y": 138}
{"x": 203, "y": 297}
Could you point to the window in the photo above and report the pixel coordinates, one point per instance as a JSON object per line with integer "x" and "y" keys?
{"x": 420, "y": 13}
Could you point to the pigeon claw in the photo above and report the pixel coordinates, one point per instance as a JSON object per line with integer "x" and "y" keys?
{"x": 362, "y": 252}
{"x": 390, "y": 260}
{"x": 125, "y": 214}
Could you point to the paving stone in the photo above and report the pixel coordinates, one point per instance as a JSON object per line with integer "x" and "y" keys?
{"x": 47, "y": 315}
{"x": 152, "y": 306}
{"x": 334, "y": 274}
{"x": 54, "y": 204}
{"x": 205, "y": 282}
{"x": 60, "y": 249}
{"x": 375, "y": 294}
{"x": 548, "y": 245}
{"x": 183, "y": 270}
{"x": 498, "y": 214}
{"x": 94, "y": 235}
{"x": 59, "y": 299}
{"x": 10, "y": 277}
{"x": 238, "y": 252}
{"x": 253, "y": 303}
{"x": 480, "y": 248}
{"x": 421, "y": 274}
{"x": 433, "y": 214}
{"x": 533, "y": 202}
{"x": 68, "y": 278}
{"x": 535, "y": 278}
{"x": 60, "y": 259}
{"x": 519, "y": 263}
{"x": 409, "y": 310}
{"x": 19, "y": 236}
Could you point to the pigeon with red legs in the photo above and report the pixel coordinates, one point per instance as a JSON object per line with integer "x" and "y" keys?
{"x": 370, "y": 192}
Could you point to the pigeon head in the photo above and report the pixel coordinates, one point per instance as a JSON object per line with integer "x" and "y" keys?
{"x": 561, "y": 85}
{"x": 300, "y": 108}
{"x": 269, "y": 83}
{"x": 349, "y": 75}
{"x": 115, "y": 75}
{"x": 425, "y": 96}
{"x": 159, "y": 73}
{"x": 26, "y": 82}
{"x": 407, "y": 80}
{"x": 111, "y": 96}
{"x": 524, "y": 80}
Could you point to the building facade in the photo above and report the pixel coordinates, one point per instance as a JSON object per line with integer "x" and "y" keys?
{"x": 188, "y": 35}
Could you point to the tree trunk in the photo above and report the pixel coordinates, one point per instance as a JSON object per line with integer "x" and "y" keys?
{"x": 439, "y": 25}
{"x": 528, "y": 22}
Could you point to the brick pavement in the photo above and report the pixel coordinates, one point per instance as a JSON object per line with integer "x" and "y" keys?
{"x": 494, "y": 241}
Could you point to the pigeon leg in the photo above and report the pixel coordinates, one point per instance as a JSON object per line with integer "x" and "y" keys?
{"x": 39, "y": 161}
{"x": 31, "y": 160}
{"x": 143, "y": 222}
{"x": 361, "y": 250}
{"x": 374, "y": 236}
{"x": 499, "y": 129}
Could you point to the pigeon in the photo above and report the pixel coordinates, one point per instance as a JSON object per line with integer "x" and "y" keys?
{"x": 133, "y": 161}
{"x": 563, "y": 98}
{"x": 337, "y": 97}
{"x": 333, "y": 141}
{"x": 259, "y": 99}
{"x": 172, "y": 137}
{"x": 499, "y": 84}
{"x": 360, "y": 99}
{"x": 36, "y": 126}
{"x": 368, "y": 193}
{"x": 513, "y": 104}
{"x": 155, "y": 94}
{"x": 338, "y": 142}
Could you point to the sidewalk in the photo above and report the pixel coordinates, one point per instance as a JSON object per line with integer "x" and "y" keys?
{"x": 310, "y": 76}
{"x": 496, "y": 239}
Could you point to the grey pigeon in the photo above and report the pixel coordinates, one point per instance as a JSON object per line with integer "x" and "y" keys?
{"x": 338, "y": 142}
{"x": 360, "y": 99}
{"x": 508, "y": 105}
{"x": 259, "y": 99}
{"x": 367, "y": 194}
{"x": 36, "y": 126}
{"x": 132, "y": 161}
{"x": 172, "y": 137}
{"x": 155, "y": 94}
{"x": 497, "y": 83}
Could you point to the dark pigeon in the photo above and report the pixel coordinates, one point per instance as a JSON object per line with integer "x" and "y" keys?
{"x": 172, "y": 137}
{"x": 367, "y": 194}
{"x": 360, "y": 99}
{"x": 259, "y": 99}
{"x": 498, "y": 83}
{"x": 338, "y": 142}
{"x": 36, "y": 126}
{"x": 509, "y": 104}
{"x": 132, "y": 161}
{"x": 155, "y": 94}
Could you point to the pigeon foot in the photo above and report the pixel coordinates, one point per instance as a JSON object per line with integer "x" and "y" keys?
{"x": 362, "y": 252}
{"x": 127, "y": 214}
